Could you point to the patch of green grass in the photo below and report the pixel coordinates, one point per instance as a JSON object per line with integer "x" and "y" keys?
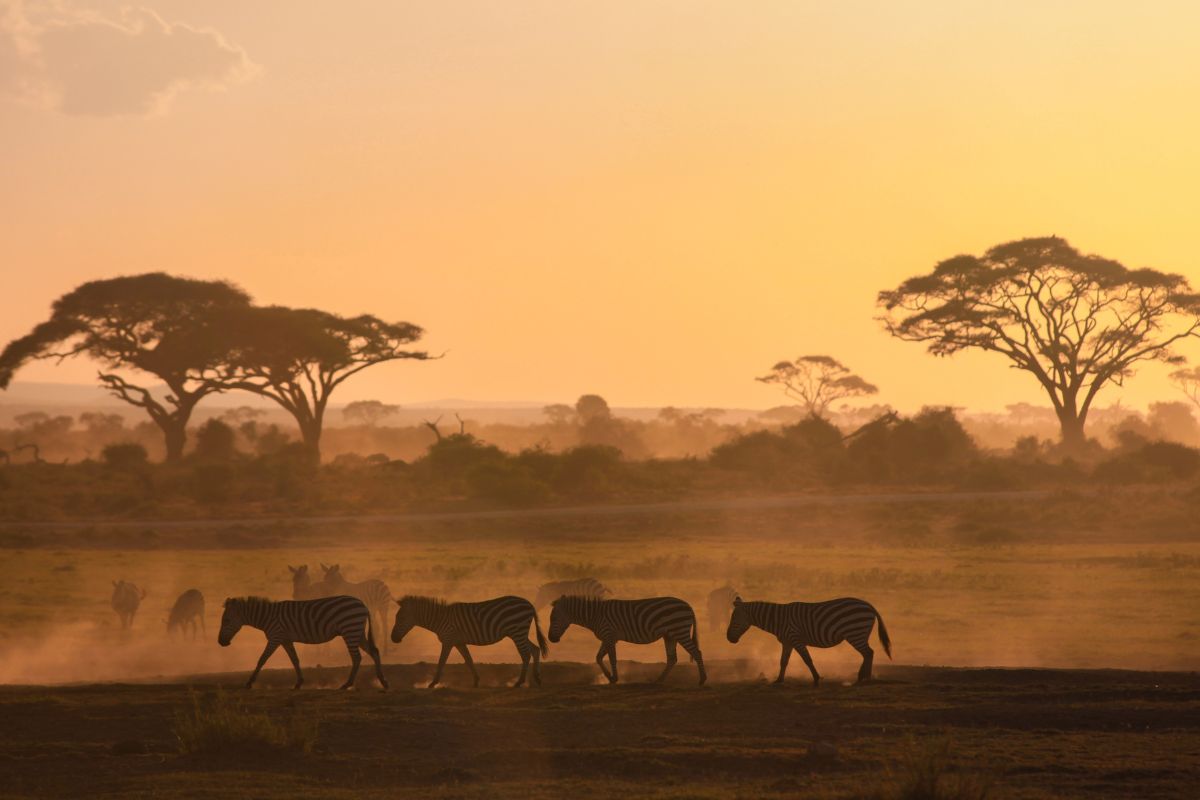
{"x": 218, "y": 724}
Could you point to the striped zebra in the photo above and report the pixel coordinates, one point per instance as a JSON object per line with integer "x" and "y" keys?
{"x": 460, "y": 624}
{"x": 375, "y": 594}
{"x": 187, "y": 609}
{"x": 126, "y": 598}
{"x": 306, "y": 621}
{"x": 303, "y": 587}
{"x": 825, "y": 624}
{"x": 636, "y": 621}
{"x": 720, "y": 606}
{"x": 583, "y": 587}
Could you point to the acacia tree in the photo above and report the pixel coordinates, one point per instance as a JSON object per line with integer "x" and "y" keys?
{"x": 369, "y": 412}
{"x": 154, "y": 324}
{"x": 817, "y": 381}
{"x": 1076, "y": 322}
{"x": 298, "y": 356}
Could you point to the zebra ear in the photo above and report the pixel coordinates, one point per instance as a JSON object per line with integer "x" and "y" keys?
{"x": 114, "y": 583}
{"x": 737, "y": 600}
{"x": 292, "y": 569}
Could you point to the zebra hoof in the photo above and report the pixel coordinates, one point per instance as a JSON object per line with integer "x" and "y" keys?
{"x": 431, "y": 684}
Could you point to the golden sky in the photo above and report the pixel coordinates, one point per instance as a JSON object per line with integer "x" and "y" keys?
{"x": 654, "y": 201}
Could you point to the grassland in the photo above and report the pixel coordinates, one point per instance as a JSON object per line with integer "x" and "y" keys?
{"x": 1069, "y": 582}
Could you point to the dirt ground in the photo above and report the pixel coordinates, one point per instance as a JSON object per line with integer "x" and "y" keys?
{"x": 1029, "y": 733}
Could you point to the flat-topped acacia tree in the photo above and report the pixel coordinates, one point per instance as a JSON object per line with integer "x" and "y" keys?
{"x": 155, "y": 324}
{"x": 1076, "y": 322}
{"x": 298, "y": 356}
{"x": 815, "y": 382}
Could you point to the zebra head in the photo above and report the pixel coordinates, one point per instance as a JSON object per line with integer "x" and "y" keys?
{"x": 412, "y": 611}
{"x": 739, "y": 622}
{"x": 300, "y": 576}
{"x": 231, "y": 621}
{"x": 564, "y": 612}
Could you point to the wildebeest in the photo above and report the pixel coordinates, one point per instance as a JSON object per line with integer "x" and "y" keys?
{"x": 375, "y": 594}
{"x": 187, "y": 609}
{"x": 720, "y": 606}
{"x": 306, "y": 621}
{"x": 580, "y": 587}
{"x": 824, "y": 624}
{"x": 126, "y": 598}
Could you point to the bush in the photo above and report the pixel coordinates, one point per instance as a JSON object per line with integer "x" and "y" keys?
{"x": 126, "y": 457}
{"x": 928, "y": 774}
{"x": 218, "y": 724}
{"x": 215, "y": 441}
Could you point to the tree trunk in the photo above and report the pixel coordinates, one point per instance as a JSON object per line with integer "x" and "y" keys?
{"x": 310, "y": 434}
{"x": 175, "y": 435}
{"x": 1074, "y": 441}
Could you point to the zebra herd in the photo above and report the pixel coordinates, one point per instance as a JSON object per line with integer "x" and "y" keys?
{"x": 585, "y": 603}
{"x": 333, "y": 607}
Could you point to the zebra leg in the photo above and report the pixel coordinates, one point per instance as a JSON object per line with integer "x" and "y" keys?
{"x": 373, "y": 652}
{"x": 612, "y": 659}
{"x": 466, "y": 654}
{"x": 864, "y": 672}
{"x": 290, "y": 649}
{"x": 355, "y": 660}
{"x": 693, "y": 650}
{"x": 808, "y": 662}
{"x": 600, "y": 660}
{"x": 784, "y": 657}
{"x": 437, "y": 676}
{"x": 671, "y": 658}
{"x": 523, "y": 647}
{"x": 266, "y": 653}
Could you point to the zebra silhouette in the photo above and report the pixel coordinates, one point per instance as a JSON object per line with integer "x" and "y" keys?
{"x": 460, "y": 624}
{"x": 306, "y": 621}
{"x": 126, "y": 598}
{"x": 825, "y": 624}
{"x": 375, "y": 594}
{"x": 303, "y": 587}
{"x": 720, "y": 606}
{"x": 583, "y": 587}
{"x": 635, "y": 621}
{"x": 187, "y": 609}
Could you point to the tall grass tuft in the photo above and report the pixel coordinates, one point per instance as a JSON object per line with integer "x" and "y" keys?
{"x": 218, "y": 724}
{"x": 928, "y": 773}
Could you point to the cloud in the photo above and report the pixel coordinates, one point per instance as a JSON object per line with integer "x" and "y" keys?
{"x": 84, "y": 64}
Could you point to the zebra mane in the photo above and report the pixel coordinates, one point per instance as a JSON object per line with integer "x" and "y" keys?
{"x": 422, "y": 602}
{"x": 253, "y": 598}
{"x": 578, "y": 602}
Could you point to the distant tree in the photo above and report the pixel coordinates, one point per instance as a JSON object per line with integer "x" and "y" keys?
{"x": 128, "y": 456}
{"x": 368, "y": 412}
{"x": 297, "y": 357}
{"x": 153, "y": 324}
{"x": 590, "y": 407}
{"x": 98, "y": 423}
{"x": 559, "y": 414}
{"x": 817, "y": 381}
{"x": 784, "y": 415}
{"x": 39, "y": 423}
{"x": 240, "y": 415}
{"x": 215, "y": 442}
{"x": 1075, "y": 322}
{"x": 1174, "y": 422}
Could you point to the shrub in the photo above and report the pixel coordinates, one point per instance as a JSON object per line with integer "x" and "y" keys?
{"x": 218, "y": 724}
{"x": 215, "y": 441}
{"x": 127, "y": 456}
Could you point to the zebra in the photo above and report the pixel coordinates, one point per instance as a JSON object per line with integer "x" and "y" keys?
{"x": 720, "y": 606}
{"x": 636, "y": 621}
{"x": 303, "y": 587}
{"x": 825, "y": 624}
{"x": 375, "y": 594}
{"x": 188, "y": 608}
{"x": 126, "y": 598}
{"x": 460, "y": 624}
{"x": 583, "y": 587}
{"x": 306, "y": 621}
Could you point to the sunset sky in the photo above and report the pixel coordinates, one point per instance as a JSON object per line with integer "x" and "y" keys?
{"x": 654, "y": 201}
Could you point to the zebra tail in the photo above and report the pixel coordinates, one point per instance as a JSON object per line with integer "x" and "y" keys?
{"x": 883, "y": 635}
{"x": 695, "y": 635}
{"x": 537, "y": 626}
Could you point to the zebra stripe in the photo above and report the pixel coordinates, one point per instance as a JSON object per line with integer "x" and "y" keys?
{"x": 825, "y": 624}
{"x": 460, "y": 624}
{"x": 636, "y": 621}
{"x": 375, "y": 594}
{"x": 304, "y": 621}
{"x": 583, "y": 587}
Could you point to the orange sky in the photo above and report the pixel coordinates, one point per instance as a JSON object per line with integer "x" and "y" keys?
{"x": 650, "y": 200}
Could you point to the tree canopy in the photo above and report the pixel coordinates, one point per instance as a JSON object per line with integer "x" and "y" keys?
{"x": 152, "y": 323}
{"x": 815, "y": 382}
{"x": 1076, "y": 322}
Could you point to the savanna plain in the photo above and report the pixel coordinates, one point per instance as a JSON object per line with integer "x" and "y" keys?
{"x": 1044, "y": 645}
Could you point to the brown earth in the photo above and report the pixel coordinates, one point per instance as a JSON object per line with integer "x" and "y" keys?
{"x": 1028, "y": 733}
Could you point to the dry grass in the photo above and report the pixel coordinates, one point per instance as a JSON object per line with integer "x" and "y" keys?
{"x": 218, "y": 724}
